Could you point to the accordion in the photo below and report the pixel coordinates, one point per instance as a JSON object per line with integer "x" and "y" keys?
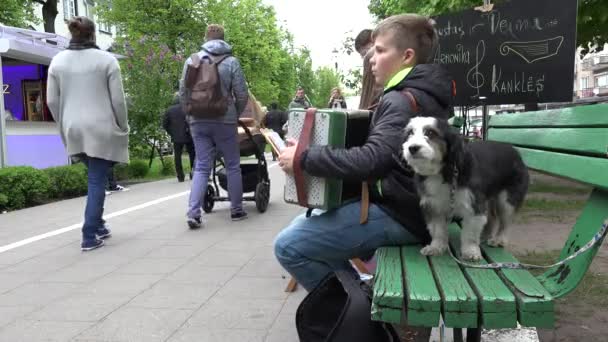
{"x": 336, "y": 128}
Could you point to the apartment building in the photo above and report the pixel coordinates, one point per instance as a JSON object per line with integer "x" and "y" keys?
{"x": 71, "y": 8}
{"x": 591, "y": 75}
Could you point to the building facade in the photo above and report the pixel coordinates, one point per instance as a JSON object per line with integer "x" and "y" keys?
{"x": 70, "y": 8}
{"x": 591, "y": 75}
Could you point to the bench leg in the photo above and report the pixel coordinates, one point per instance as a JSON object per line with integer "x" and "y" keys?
{"x": 473, "y": 335}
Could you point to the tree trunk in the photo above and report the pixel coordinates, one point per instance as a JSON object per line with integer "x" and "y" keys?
{"x": 49, "y": 13}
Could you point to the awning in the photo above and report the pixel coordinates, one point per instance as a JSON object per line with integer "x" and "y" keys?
{"x": 30, "y": 46}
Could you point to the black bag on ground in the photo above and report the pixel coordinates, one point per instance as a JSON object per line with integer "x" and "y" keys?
{"x": 339, "y": 310}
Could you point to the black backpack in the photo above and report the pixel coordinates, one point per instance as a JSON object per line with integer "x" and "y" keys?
{"x": 339, "y": 310}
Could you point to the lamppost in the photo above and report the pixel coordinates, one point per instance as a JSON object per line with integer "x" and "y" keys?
{"x": 335, "y": 58}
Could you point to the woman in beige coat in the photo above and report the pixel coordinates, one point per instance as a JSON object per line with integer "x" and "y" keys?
{"x": 86, "y": 98}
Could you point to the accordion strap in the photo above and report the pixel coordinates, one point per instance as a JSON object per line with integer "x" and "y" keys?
{"x": 303, "y": 144}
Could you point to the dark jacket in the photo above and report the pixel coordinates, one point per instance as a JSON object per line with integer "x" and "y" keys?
{"x": 379, "y": 159}
{"x": 234, "y": 86}
{"x": 275, "y": 119}
{"x": 174, "y": 122}
{"x": 337, "y": 103}
{"x": 299, "y": 103}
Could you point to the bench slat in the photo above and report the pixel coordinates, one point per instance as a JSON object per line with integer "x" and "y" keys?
{"x": 459, "y": 300}
{"x": 581, "y": 116}
{"x": 534, "y": 302}
{"x": 388, "y": 301}
{"x": 423, "y": 299}
{"x": 577, "y": 140}
{"x": 587, "y": 170}
{"x": 498, "y": 309}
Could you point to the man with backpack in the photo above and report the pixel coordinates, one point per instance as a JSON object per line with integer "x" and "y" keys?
{"x": 214, "y": 93}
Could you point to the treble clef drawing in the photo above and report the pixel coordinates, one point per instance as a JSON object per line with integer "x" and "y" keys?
{"x": 475, "y": 79}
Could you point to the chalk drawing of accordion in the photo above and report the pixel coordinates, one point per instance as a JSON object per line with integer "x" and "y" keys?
{"x": 534, "y": 50}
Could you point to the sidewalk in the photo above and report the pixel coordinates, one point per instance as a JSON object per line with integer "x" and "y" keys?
{"x": 155, "y": 280}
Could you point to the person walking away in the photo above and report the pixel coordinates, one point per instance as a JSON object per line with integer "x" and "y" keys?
{"x": 211, "y": 129}
{"x": 275, "y": 119}
{"x": 174, "y": 122}
{"x": 336, "y": 101}
{"x": 86, "y": 99}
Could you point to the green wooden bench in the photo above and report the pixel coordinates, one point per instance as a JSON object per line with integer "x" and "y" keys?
{"x": 413, "y": 290}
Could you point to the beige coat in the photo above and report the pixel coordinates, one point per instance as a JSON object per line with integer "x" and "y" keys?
{"x": 86, "y": 98}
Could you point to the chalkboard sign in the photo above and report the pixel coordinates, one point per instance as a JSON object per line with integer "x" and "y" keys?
{"x": 521, "y": 51}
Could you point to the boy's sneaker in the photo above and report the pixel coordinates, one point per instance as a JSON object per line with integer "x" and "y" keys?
{"x": 195, "y": 223}
{"x": 103, "y": 233}
{"x": 91, "y": 245}
{"x": 241, "y": 215}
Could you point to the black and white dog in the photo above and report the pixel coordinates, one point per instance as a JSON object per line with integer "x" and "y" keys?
{"x": 482, "y": 183}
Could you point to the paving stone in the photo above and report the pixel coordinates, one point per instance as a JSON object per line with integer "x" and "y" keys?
{"x": 9, "y": 281}
{"x": 120, "y": 284}
{"x": 254, "y": 288}
{"x": 206, "y": 276}
{"x": 79, "y": 273}
{"x": 213, "y": 257}
{"x": 11, "y": 313}
{"x": 231, "y": 313}
{"x": 136, "y": 324}
{"x": 151, "y": 266}
{"x": 175, "y": 252}
{"x": 204, "y": 334}
{"x": 37, "y": 294}
{"x": 32, "y": 331}
{"x": 263, "y": 268}
{"x": 171, "y": 295}
{"x": 80, "y": 307}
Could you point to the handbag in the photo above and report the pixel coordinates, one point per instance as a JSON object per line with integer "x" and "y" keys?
{"x": 339, "y": 310}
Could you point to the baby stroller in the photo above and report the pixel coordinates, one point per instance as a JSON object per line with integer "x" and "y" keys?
{"x": 255, "y": 175}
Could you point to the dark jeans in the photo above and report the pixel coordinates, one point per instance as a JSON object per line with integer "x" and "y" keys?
{"x": 111, "y": 180}
{"x": 207, "y": 137}
{"x": 178, "y": 149}
{"x": 96, "y": 195}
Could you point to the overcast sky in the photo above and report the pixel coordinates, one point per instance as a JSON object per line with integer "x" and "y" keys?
{"x": 322, "y": 26}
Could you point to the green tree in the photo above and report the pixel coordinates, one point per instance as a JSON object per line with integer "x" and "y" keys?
{"x": 18, "y": 13}
{"x": 592, "y": 19}
{"x": 327, "y": 79}
{"x": 305, "y": 74}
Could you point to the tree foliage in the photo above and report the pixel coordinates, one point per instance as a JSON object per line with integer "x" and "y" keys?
{"x": 327, "y": 79}
{"x": 592, "y": 19}
{"x": 18, "y": 13}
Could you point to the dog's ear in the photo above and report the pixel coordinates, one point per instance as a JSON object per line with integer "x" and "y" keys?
{"x": 455, "y": 151}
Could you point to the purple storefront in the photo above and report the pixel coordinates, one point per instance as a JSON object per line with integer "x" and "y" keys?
{"x": 28, "y": 134}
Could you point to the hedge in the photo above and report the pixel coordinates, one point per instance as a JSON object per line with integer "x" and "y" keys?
{"x": 24, "y": 186}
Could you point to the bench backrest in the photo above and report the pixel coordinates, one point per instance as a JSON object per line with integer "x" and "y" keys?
{"x": 571, "y": 143}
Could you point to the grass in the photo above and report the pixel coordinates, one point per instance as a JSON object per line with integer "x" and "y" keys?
{"x": 544, "y": 187}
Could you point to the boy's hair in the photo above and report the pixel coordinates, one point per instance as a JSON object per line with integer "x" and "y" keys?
{"x": 214, "y": 31}
{"x": 410, "y": 31}
{"x": 363, "y": 38}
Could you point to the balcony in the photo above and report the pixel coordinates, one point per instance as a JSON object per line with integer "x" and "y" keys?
{"x": 596, "y": 63}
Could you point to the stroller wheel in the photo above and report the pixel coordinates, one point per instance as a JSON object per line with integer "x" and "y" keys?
{"x": 262, "y": 196}
{"x": 209, "y": 200}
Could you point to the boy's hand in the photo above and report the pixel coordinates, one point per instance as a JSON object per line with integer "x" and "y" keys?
{"x": 287, "y": 156}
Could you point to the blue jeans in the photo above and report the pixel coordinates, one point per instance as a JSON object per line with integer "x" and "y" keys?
{"x": 207, "y": 137}
{"x": 96, "y": 195}
{"x": 310, "y": 248}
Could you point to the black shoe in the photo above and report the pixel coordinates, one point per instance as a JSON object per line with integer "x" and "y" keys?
{"x": 241, "y": 215}
{"x": 91, "y": 245}
{"x": 195, "y": 223}
{"x": 103, "y": 233}
{"x": 181, "y": 180}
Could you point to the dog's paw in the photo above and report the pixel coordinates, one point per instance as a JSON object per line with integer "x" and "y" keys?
{"x": 433, "y": 250}
{"x": 499, "y": 241}
{"x": 471, "y": 253}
